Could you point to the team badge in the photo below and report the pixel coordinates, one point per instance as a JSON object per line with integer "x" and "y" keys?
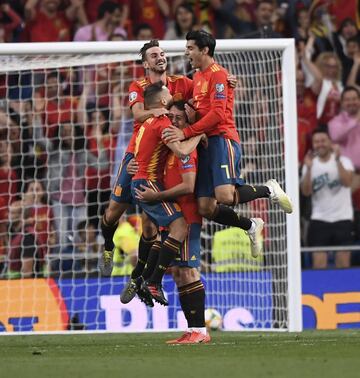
{"x": 219, "y": 87}
{"x": 132, "y": 96}
{"x": 185, "y": 159}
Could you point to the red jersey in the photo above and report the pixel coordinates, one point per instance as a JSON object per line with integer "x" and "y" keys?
{"x": 175, "y": 167}
{"x": 180, "y": 87}
{"x": 46, "y": 29}
{"x": 150, "y": 150}
{"x": 214, "y": 103}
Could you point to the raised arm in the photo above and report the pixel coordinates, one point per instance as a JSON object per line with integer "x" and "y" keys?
{"x": 351, "y": 81}
{"x": 306, "y": 182}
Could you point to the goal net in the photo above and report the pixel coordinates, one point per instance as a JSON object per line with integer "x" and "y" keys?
{"x": 65, "y": 125}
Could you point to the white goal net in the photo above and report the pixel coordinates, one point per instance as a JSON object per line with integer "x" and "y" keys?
{"x": 65, "y": 124}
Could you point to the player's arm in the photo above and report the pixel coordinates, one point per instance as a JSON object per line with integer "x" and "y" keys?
{"x": 306, "y": 180}
{"x": 182, "y": 149}
{"x": 141, "y": 115}
{"x": 186, "y": 187}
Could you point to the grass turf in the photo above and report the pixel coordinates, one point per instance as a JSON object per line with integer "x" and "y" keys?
{"x": 323, "y": 354}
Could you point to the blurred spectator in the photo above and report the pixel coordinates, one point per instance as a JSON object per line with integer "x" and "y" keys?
{"x": 184, "y": 21}
{"x": 9, "y": 21}
{"x": 92, "y": 9}
{"x": 8, "y": 177}
{"x": 306, "y": 113}
{"x": 45, "y": 22}
{"x": 231, "y": 252}
{"x": 4, "y": 235}
{"x": 143, "y": 32}
{"x": 303, "y": 24}
{"x": 53, "y": 105}
{"x": 346, "y": 30}
{"x": 151, "y": 12}
{"x": 326, "y": 177}
{"x": 325, "y": 82}
{"x": 344, "y": 129}
{"x": 126, "y": 241}
{"x": 26, "y": 256}
{"x": 108, "y": 22}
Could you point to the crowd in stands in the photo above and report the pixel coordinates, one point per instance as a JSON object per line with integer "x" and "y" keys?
{"x": 60, "y": 142}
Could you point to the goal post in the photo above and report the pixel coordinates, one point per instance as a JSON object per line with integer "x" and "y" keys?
{"x": 250, "y": 295}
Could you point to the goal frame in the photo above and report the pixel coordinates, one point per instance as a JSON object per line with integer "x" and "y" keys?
{"x": 287, "y": 46}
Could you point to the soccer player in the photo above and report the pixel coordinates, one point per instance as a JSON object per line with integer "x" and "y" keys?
{"x": 155, "y": 62}
{"x": 219, "y": 181}
{"x": 179, "y": 184}
{"x": 151, "y": 153}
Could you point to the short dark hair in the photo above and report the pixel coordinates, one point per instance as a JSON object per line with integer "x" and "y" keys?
{"x": 259, "y": 2}
{"x": 353, "y": 39}
{"x": 321, "y": 129}
{"x": 349, "y": 88}
{"x": 146, "y": 47}
{"x": 202, "y": 39}
{"x": 151, "y": 93}
{"x": 140, "y": 27}
{"x": 107, "y": 6}
{"x": 179, "y": 105}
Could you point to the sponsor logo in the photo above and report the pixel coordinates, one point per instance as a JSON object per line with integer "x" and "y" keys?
{"x": 219, "y": 96}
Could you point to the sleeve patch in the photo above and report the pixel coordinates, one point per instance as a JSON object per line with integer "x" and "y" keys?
{"x": 188, "y": 166}
{"x": 220, "y": 87}
{"x": 185, "y": 159}
{"x": 132, "y": 96}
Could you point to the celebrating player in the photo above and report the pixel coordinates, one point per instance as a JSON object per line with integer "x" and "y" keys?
{"x": 154, "y": 61}
{"x": 219, "y": 181}
{"x": 179, "y": 183}
{"x": 151, "y": 153}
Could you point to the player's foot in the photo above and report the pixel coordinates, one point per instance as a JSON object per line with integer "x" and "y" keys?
{"x": 278, "y": 196}
{"x": 106, "y": 263}
{"x": 156, "y": 292}
{"x": 185, "y": 336}
{"x": 255, "y": 237}
{"x": 143, "y": 295}
{"x": 129, "y": 291}
{"x": 196, "y": 338}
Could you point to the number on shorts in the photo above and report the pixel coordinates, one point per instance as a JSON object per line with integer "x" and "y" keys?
{"x": 226, "y": 167}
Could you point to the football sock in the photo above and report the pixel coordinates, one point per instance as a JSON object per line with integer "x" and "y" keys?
{"x": 170, "y": 248}
{"x": 227, "y": 216}
{"x": 145, "y": 245}
{"x": 108, "y": 232}
{"x": 192, "y": 301}
{"x": 151, "y": 260}
{"x": 246, "y": 193}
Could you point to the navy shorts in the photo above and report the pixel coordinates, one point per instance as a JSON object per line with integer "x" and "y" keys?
{"x": 161, "y": 213}
{"x": 219, "y": 164}
{"x": 121, "y": 192}
{"x": 190, "y": 250}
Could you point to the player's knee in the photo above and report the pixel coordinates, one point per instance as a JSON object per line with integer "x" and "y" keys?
{"x": 187, "y": 276}
{"x": 225, "y": 197}
{"x": 205, "y": 210}
{"x": 148, "y": 228}
{"x": 114, "y": 211}
{"x": 178, "y": 229}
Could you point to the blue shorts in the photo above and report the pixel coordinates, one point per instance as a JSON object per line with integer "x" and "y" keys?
{"x": 121, "y": 192}
{"x": 219, "y": 164}
{"x": 190, "y": 250}
{"x": 161, "y": 213}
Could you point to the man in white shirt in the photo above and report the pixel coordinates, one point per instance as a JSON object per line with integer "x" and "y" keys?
{"x": 326, "y": 177}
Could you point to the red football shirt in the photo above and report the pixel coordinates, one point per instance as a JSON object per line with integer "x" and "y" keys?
{"x": 180, "y": 87}
{"x": 174, "y": 168}
{"x": 150, "y": 150}
{"x": 214, "y": 102}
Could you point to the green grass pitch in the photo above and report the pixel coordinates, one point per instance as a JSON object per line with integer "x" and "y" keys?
{"x": 246, "y": 355}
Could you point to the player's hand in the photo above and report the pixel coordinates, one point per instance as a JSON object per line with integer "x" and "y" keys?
{"x": 190, "y": 113}
{"x": 232, "y": 80}
{"x": 145, "y": 194}
{"x": 204, "y": 141}
{"x": 172, "y": 134}
{"x": 159, "y": 112}
{"x": 132, "y": 167}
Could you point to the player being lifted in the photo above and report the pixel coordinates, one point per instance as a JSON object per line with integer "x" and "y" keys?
{"x": 179, "y": 183}
{"x": 151, "y": 154}
{"x": 219, "y": 181}
{"x": 155, "y": 63}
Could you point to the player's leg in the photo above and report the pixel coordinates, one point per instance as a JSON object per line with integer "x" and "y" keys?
{"x": 120, "y": 201}
{"x": 343, "y": 233}
{"x": 191, "y": 290}
{"x": 319, "y": 235}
